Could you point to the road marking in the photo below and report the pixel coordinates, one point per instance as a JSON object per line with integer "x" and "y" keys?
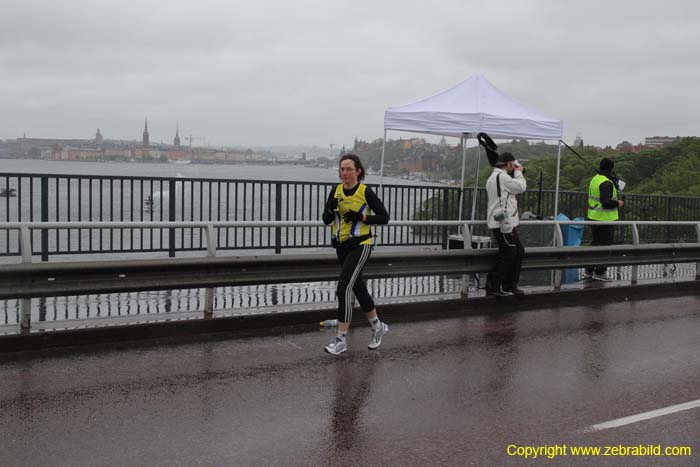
{"x": 644, "y": 416}
{"x": 296, "y": 346}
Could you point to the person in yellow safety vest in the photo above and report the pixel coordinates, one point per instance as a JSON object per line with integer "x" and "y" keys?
{"x": 352, "y": 207}
{"x": 603, "y": 205}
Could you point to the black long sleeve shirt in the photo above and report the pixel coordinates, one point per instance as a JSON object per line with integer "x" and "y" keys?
{"x": 379, "y": 216}
{"x": 606, "y": 191}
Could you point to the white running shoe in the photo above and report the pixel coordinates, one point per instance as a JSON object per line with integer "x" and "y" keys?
{"x": 377, "y": 336}
{"x": 337, "y": 347}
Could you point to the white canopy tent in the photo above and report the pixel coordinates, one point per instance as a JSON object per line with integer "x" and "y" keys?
{"x": 473, "y": 106}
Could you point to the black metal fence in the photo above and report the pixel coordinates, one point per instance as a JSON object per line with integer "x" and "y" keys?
{"x": 65, "y": 198}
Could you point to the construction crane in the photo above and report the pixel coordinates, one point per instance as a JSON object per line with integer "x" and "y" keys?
{"x": 194, "y": 138}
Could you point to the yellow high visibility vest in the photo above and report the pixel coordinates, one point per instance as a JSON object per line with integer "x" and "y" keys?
{"x": 596, "y": 211}
{"x": 342, "y": 230}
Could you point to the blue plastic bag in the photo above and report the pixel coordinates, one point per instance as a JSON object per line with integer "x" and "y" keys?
{"x": 573, "y": 236}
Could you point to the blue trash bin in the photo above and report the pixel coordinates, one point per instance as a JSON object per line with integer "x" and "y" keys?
{"x": 573, "y": 236}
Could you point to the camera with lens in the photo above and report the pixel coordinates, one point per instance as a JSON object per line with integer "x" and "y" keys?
{"x": 505, "y": 222}
{"x": 499, "y": 214}
{"x": 518, "y": 164}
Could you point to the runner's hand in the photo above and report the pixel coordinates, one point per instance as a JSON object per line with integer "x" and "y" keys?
{"x": 332, "y": 205}
{"x": 352, "y": 216}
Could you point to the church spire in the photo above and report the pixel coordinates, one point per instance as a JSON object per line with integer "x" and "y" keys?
{"x": 176, "y": 141}
{"x": 145, "y": 133}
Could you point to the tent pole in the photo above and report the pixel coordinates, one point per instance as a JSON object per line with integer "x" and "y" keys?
{"x": 463, "y": 142}
{"x": 380, "y": 193}
{"x": 381, "y": 167}
{"x": 556, "y": 190}
{"x": 476, "y": 179}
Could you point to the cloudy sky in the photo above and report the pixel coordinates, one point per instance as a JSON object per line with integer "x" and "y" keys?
{"x": 261, "y": 73}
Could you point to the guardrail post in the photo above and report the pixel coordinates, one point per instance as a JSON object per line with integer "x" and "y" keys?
{"x": 171, "y": 218}
{"x": 209, "y": 292}
{"x": 697, "y": 265}
{"x": 558, "y": 241}
{"x": 669, "y": 216}
{"x": 44, "y": 218}
{"x": 635, "y": 241}
{"x": 278, "y": 217}
{"x": 25, "y": 242}
{"x": 467, "y": 245}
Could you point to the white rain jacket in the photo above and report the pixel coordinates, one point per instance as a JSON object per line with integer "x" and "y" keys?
{"x": 510, "y": 186}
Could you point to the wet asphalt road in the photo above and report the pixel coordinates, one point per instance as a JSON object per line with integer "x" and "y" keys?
{"x": 447, "y": 392}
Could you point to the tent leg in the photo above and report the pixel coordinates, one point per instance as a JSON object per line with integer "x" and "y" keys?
{"x": 380, "y": 193}
{"x": 476, "y": 180}
{"x": 381, "y": 168}
{"x": 463, "y": 142}
{"x": 556, "y": 189}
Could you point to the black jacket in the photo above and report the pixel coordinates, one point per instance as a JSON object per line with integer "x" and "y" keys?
{"x": 606, "y": 192}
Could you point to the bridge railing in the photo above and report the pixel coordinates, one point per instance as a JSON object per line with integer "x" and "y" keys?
{"x": 91, "y": 198}
{"x": 27, "y": 280}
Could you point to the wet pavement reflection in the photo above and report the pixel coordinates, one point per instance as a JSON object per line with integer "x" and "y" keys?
{"x": 352, "y": 387}
{"x": 451, "y": 391}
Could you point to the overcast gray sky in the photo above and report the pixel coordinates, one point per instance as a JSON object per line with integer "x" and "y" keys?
{"x": 318, "y": 72}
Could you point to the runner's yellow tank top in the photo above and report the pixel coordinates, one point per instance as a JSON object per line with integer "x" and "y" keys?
{"x": 342, "y": 230}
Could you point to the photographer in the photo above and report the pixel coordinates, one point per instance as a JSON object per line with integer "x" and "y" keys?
{"x": 505, "y": 182}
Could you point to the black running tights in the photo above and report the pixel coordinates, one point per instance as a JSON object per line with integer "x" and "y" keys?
{"x": 352, "y": 260}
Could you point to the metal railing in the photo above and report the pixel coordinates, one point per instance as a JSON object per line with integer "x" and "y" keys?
{"x": 81, "y": 198}
{"x": 29, "y": 279}
{"x": 89, "y": 198}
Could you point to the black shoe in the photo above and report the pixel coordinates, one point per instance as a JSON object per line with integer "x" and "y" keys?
{"x": 515, "y": 291}
{"x": 498, "y": 292}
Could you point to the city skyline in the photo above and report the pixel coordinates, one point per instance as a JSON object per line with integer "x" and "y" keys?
{"x": 99, "y": 138}
{"x": 247, "y": 75}
{"x": 647, "y": 141}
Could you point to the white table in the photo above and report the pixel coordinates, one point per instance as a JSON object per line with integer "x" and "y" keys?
{"x": 478, "y": 242}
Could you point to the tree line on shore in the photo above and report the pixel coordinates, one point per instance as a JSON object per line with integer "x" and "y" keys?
{"x": 668, "y": 170}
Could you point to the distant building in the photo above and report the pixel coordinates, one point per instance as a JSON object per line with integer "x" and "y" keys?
{"x": 176, "y": 141}
{"x": 421, "y": 163}
{"x": 146, "y": 142}
{"x": 44, "y": 147}
{"x": 658, "y": 141}
{"x": 78, "y": 154}
{"x": 628, "y": 147}
{"x": 409, "y": 144}
{"x": 578, "y": 142}
{"x": 96, "y": 148}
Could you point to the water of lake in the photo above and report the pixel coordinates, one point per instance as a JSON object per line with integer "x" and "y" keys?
{"x": 227, "y": 299}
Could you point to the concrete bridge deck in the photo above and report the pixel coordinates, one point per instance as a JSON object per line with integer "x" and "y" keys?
{"x": 451, "y": 391}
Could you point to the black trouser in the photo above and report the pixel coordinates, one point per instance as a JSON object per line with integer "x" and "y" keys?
{"x": 602, "y": 235}
{"x": 352, "y": 260}
{"x": 510, "y": 260}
